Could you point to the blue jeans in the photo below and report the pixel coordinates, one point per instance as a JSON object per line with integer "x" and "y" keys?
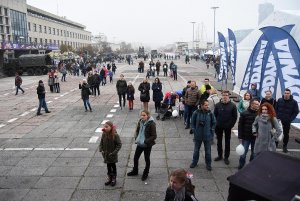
{"x": 42, "y": 104}
{"x": 207, "y": 148}
{"x": 17, "y": 89}
{"x": 246, "y": 144}
{"x": 86, "y": 103}
{"x": 190, "y": 110}
{"x": 185, "y": 113}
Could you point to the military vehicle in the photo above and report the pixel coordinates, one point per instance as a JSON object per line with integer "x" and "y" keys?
{"x": 33, "y": 64}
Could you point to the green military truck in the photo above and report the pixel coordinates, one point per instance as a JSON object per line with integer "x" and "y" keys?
{"x": 33, "y": 64}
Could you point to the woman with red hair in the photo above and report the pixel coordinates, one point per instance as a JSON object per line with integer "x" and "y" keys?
{"x": 262, "y": 127}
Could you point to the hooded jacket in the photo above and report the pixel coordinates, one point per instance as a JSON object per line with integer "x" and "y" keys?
{"x": 149, "y": 131}
{"x": 109, "y": 147}
{"x": 85, "y": 91}
{"x": 203, "y": 124}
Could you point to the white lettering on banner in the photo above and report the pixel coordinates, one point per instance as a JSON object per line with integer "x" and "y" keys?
{"x": 289, "y": 69}
{"x": 223, "y": 62}
{"x": 246, "y": 80}
{"x": 256, "y": 74}
{"x": 270, "y": 76}
{"x": 232, "y": 58}
{"x": 222, "y": 65}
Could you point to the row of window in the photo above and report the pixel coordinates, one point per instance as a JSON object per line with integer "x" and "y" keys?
{"x": 55, "y": 42}
{"x": 3, "y": 11}
{"x": 4, "y": 29}
{"x": 58, "y": 32}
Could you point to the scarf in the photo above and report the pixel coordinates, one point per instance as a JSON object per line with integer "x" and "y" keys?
{"x": 141, "y": 137}
{"x": 180, "y": 195}
{"x": 246, "y": 104}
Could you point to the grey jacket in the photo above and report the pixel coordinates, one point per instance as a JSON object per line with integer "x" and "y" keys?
{"x": 265, "y": 140}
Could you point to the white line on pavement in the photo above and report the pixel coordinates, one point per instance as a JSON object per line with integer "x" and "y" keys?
{"x": 18, "y": 149}
{"x": 116, "y": 105}
{"x": 49, "y": 102}
{"x": 77, "y": 149}
{"x": 98, "y": 130}
{"x": 61, "y": 95}
{"x": 56, "y": 98}
{"x": 109, "y": 116}
{"x": 5, "y": 94}
{"x": 93, "y": 139}
{"x": 49, "y": 149}
{"x": 182, "y": 78}
{"x": 2, "y": 125}
{"x": 235, "y": 132}
{"x": 291, "y": 150}
{"x": 33, "y": 109}
{"x": 136, "y": 77}
{"x": 12, "y": 120}
{"x": 24, "y": 114}
{"x": 66, "y": 93}
{"x": 113, "y": 110}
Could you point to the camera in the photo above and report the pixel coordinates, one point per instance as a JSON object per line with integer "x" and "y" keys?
{"x": 201, "y": 123}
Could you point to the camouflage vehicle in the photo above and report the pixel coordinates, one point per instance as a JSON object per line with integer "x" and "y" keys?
{"x": 33, "y": 64}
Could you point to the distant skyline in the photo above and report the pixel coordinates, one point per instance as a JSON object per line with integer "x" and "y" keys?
{"x": 156, "y": 22}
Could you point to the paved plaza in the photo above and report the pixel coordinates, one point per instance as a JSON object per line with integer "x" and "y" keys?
{"x": 55, "y": 156}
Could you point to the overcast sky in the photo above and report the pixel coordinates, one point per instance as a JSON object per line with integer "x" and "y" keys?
{"x": 160, "y": 22}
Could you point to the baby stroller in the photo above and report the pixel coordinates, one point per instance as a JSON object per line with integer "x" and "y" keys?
{"x": 166, "y": 107}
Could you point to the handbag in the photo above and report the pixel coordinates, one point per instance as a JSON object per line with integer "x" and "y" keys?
{"x": 143, "y": 96}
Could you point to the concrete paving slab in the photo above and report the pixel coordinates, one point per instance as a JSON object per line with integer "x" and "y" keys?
{"x": 28, "y": 170}
{"x": 18, "y": 182}
{"x": 142, "y": 195}
{"x": 150, "y": 185}
{"x": 96, "y": 195}
{"x": 12, "y": 194}
{"x": 65, "y": 171}
{"x": 49, "y": 194}
{"x": 57, "y": 183}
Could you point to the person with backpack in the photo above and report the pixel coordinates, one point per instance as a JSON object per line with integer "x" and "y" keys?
{"x": 180, "y": 187}
{"x": 203, "y": 124}
{"x": 18, "y": 83}
{"x": 85, "y": 93}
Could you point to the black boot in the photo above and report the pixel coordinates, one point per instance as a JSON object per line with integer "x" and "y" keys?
{"x": 109, "y": 180}
{"x": 145, "y": 175}
{"x": 113, "y": 181}
{"x": 133, "y": 172}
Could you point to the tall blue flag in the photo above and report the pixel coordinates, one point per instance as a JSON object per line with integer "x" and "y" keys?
{"x": 233, "y": 53}
{"x": 223, "y": 59}
{"x": 287, "y": 56}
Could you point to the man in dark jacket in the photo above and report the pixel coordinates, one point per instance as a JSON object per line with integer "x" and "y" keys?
{"x": 245, "y": 130}
{"x": 121, "y": 89}
{"x": 287, "y": 110}
{"x": 269, "y": 99}
{"x": 18, "y": 83}
{"x": 40, "y": 90}
{"x": 226, "y": 116}
{"x": 85, "y": 94}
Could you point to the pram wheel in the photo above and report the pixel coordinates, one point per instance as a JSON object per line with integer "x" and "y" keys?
{"x": 163, "y": 118}
{"x": 158, "y": 117}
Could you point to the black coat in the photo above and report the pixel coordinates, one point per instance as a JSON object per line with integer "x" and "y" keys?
{"x": 121, "y": 86}
{"x": 170, "y": 195}
{"x": 287, "y": 110}
{"x": 157, "y": 92}
{"x": 272, "y": 101}
{"x": 130, "y": 92}
{"x": 40, "y": 90}
{"x": 144, "y": 88}
{"x": 150, "y": 132}
{"x": 245, "y": 124}
{"x": 226, "y": 114}
{"x": 85, "y": 91}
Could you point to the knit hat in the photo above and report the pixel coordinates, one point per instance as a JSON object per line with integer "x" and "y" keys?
{"x": 41, "y": 81}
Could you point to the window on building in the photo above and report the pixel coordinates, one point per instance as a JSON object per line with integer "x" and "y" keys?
{"x": 61, "y": 32}
{"x": 53, "y": 31}
{"x": 45, "y": 29}
{"x": 2, "y": 37}
{"x": 46, "y": 41}
{"x": 9, "y": 38}
{"x": 58, "y": 42}
{"x": 40, "y": 28}
{"x": 70, "y": 34}
{"x": 1, "y": 20}
{"x": 57, "y": 32}
{"x": 6, "y": 20}
{"x": 41, "y": 41}
{"x": 5, "y": 12}
{"x": 0, "y": 10}
{"x": 54, "y": 41}
{"x": 64, "y": 33}
{"x": 7, "y": 30}
{"x": 35, "y": 40}
{"x": 34, "y": 27}
{"x": 1, "y": 29}
{"x": 30, "y": 40}
{"x": 29, "y": 26}
{"x": 50, "y": 41}
{"x": 49, "y": 30}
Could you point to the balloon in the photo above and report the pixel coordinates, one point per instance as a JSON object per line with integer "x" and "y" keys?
{"x": 240, "y": 150}
{"x": 175, "y": 113}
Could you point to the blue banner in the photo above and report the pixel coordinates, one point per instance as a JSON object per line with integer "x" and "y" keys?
{"x": 233, "y": 53}
{"x": 269, "y": 78}
{"x": 223, "y": 58}
{"x": 287, "y": 57}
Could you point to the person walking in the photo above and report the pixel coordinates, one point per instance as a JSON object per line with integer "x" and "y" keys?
{"x": 63, "y": 70}
{"x": 109, "y": 147}
{"x": 130, "y": 95}
{"x": 51, "y": 80}
{"x": 244, "y": 103}
{"x": 40, "y": 90}
{"x": 226, "y": 116}
{"x": 165, "y": 69}
{"x": 192, "y": 100}
{"x": 157, "y": 93}
{"x": 96, "y": 87}
{"x": 85, "y": 93}
{"x": 144, "y": 88}
{"x": 203, "y": 125}
{"x": 18, "y": 83}
{"x": 174, "y": 69}
{"x": 145, "y": 136}
{"x": 121, "y": 90}
{"x": 158, "y": 64}
{"x": 264, "y": 122}
{"x": 287, "y": 110}
{"x": 245, "y": 131}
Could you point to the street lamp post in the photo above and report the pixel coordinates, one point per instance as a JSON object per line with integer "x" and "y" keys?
{"x": 214, "y": 8}
{"x": 193, "y": 35}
